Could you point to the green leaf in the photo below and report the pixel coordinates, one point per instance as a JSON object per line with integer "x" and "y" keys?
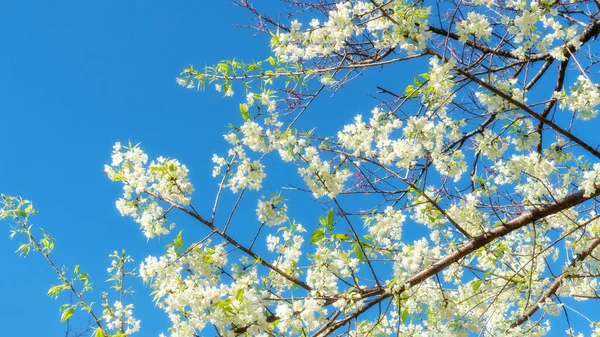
{"x": 84, "y": 277}
{"x": 322, "y": 221}
{"x": 476, "y": 284}
{"x": 76, "y": 270}
{"x": 244, "y": 111}
{"x": 224, "y": 68}
{"x": 179, "y": 240}
{"x": 29, "y": 209}
{"x": 157, "y": 169}
{"x": 365, "y": 244}
{"x": 67, "y": 314}
{"x": 207, "y": 255}
{"x": 330, "y": 219}
{"x": 23, "y": 249}
{"x": 225, "y": 304}
{"x": 55, "y": 290}
{"x": 316, "y": 236}
{"x": 359, "y": 253}
{"x": 404, "y": 315}
{"x": 410, "y": 91}
{"x": 239, "y": 294}
{"x": 341, "y": 237}
{"x": 99, "y": 333}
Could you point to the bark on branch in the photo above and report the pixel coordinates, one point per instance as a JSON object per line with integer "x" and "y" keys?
{"x": 471, "y": 246}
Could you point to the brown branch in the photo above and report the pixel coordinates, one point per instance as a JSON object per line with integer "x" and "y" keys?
{"x": 470, "y": 43}
{"x": 562, "y": 69}
{"x": 466, "y": 249}
{"x": 234, "y": 243}
{"x": 527, "y": 109}
{"x": 556, "y": 284}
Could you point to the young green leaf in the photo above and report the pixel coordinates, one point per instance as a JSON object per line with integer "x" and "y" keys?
{"x": 359, "y": 253}
{"x": 67, "y": 314}
{"x": 316, "y": 236}
{"x": 99, "y": 333}
{"x": 179, "y": 240}
{"x": 55, "y": 290}
{"x": 244, "y": 111}
{"x": 330, "y": 219}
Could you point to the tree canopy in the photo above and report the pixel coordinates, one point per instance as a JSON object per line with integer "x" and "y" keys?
{"x": 462, "y": 204}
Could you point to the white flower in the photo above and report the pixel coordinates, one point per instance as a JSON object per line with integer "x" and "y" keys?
{"x": 475, "y": 24}
{"x": 386, "y": 228}
{"x": 121, "y": 317}
{"x": 250, "y": 98}
{"x": 272, "y": 211}
{"x": 272, "y": 242}
{"x": 321, "y": 178}
{"x": 582, "y": 100}
{"x": 249, "y": 174}
{"x": 219, "y": 163}
{"x": 591, "y": 179}
{"x": 252, "y": 136}
{"x": 143, "y": 186}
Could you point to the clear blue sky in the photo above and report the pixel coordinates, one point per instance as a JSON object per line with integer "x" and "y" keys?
{"x": 77, "y": 76}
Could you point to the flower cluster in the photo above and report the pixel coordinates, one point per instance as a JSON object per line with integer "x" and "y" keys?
{"x": 438, "y": 91}
{"x": 475, "y": 24}
{"x": 490, "y": 145}
{"x": 523, "y": 25}
{"x": 414, "y": 257}
{"x": 530, "y": 173}
{"x": 242, "y": 171}
{"x": 288, "y": 246}
{"x": 405, "y": 26}
{"x": 386, "y": 228}
{"x": 253, "y": 136}
{"x": 424, "y": 211}
{"x": 583, "y": 98}
{"x": 120, "y": 318}
{"x": 321, "y": 178}
{"x": 144, "y": 186}
{"x": 321, "y": 40}
{"x": 272, "y": 211}
{"x": 591, "y": 179}
{"x": 330, "y": 263}
{"x": 300, "y": 315}
{"x": 359, "y": 138}
{"x": 467, "y": 215}
{"x": 497, "y": 104}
